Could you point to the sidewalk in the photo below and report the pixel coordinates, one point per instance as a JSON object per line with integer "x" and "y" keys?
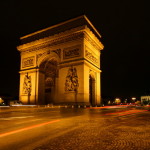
{"x": 41, "y": 108}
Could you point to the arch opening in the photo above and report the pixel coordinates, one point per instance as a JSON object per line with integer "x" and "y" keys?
{"x": 92, "y": 90}
{"x": 49, "y": 70}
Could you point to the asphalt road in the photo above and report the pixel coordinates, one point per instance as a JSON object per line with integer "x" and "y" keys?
{"x": 76, "y": 129}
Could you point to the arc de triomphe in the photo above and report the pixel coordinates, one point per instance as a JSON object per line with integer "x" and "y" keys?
{"x": 61, "y": 64}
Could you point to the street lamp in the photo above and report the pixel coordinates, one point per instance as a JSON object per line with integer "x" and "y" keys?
{"x": 117, "y": 100}
{"x": 133, "y": 99}
{"x": 109, "y": 102}
{"x": 1, "y": 100}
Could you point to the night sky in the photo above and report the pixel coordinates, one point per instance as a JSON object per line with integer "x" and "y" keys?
{"x": 123, "y": 24}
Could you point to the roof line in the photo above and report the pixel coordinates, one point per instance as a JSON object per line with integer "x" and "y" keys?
{"x": 62, "y": 23}
{"x": 92, "y": 26}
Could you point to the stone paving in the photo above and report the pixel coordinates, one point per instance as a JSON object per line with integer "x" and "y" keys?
{"x": 128, "y": 131}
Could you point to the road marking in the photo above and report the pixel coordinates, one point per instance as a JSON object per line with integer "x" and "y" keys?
{"x": 28, "y": 128}
{"x": 10, "y": 118}
{"x": 28, "y": 121}
{"x": 114, "y": 106}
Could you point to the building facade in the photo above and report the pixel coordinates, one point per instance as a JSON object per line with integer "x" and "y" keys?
{"x": 145, "y": 99}
{"x": 61, "y": 64}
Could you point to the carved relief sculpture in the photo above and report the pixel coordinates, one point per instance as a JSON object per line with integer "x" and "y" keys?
{"x": 71, "y": 83}
{"x": 91, "y": 57}
{"x": 41, "y": 54}
{"x": 27, "y": 87}
{"x": 71, "y": 52}
{"x": 28, "y": 62}
{"x": 57, "y": 51}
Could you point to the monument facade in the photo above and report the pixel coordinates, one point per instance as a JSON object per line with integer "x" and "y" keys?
{"x": 61, "y": 64}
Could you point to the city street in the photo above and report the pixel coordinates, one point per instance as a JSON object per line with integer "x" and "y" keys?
{"x": 105, "y": 128}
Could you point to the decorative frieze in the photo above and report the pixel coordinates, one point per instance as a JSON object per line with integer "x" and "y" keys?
{"x": 53, "y": 42}
{"x": 71, "y": 52}
{"x": 92, "y": 42}
{"x": 28, "y": 62}
{"x": 91, "y": 57}
{"x": 41, "y": 54}
{"x": 58, "y": 52}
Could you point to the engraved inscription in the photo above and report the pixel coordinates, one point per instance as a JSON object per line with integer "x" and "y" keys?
{"x": 28, "y": 62}
{"x": 71, "y": 52}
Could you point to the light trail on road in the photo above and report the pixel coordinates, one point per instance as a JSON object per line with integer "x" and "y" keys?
{"x": 69, "y": 128}
{"x": 128, "y": 113}
{"x": 28, "y": 128}
{"x": 123, "y": 113}
{"x": 108, "y": 107}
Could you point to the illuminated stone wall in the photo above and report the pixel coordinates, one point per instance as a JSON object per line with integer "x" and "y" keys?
{"x": 145, "y": 99}
{"x": 61, "y": 66}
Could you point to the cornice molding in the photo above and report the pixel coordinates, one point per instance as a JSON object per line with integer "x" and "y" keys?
{"x": 24, "y": 71}
{"x": 94, "y": 37}
{"x": 90, "y": 37}
{"x": 68, "y": 64}
{"x": 63, "y": 37}
{"x": 53, "y": 42}
{"x": 92, "y": 66}
{"x": 36, "y": 43}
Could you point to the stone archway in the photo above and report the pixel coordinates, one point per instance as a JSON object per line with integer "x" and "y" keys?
{"x": 58, "y": 60}
{"x": 50, "y": 73}
{"x": 92, "y": 90}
